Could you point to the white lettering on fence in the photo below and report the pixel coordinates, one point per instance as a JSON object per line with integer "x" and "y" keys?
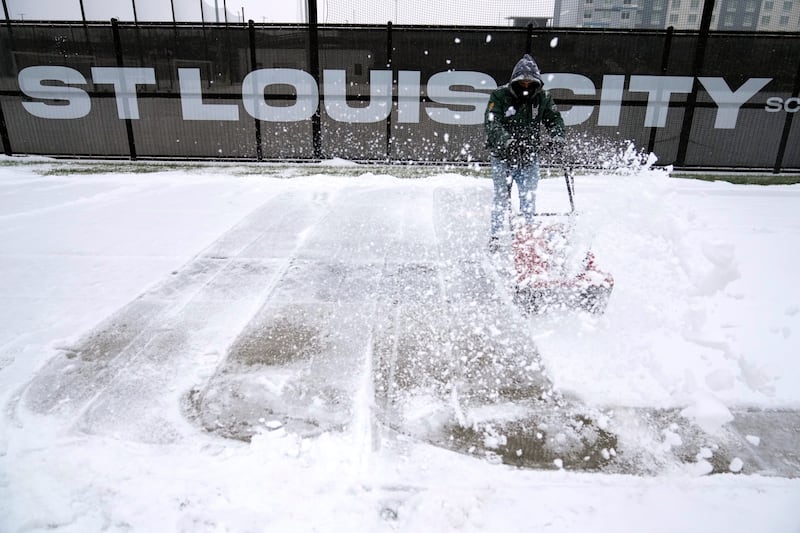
{"x": 306, "y": 99}
{"x": 730, "y": 102}
{"x": 125, "y": 80}
{"x": 456, "y": 97}
{"x": 192, "y": 105}
{"x": 31, "y": 82}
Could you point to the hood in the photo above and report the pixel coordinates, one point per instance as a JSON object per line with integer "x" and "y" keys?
{"x": 526, "y": 69}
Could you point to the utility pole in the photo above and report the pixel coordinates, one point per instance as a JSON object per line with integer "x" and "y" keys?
{"x": 216, "y": 9}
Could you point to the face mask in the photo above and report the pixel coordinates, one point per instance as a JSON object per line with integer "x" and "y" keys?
{"x": 527, "y": 92}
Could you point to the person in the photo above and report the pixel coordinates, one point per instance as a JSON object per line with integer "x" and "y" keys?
{"x": 513, "y": 122}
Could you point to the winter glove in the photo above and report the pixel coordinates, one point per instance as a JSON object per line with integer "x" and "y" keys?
{"x": 510, "y": 149}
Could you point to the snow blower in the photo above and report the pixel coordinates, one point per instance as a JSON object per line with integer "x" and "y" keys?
{"x": 545, "y": 279}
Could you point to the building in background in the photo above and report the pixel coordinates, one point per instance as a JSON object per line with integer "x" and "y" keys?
{"x": 728, "y": 15}
{"x": 619, "y": 14}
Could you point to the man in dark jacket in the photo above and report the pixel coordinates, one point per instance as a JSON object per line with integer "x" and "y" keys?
{"x": 513, "y": 122}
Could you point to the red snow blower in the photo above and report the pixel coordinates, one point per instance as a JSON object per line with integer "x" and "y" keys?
{"x": 545, "y": 280}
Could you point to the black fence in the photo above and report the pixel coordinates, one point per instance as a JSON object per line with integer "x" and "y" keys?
{"x": 384, "y": 93}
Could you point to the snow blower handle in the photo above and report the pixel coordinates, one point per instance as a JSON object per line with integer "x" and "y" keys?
{"x": 570, "y": 179}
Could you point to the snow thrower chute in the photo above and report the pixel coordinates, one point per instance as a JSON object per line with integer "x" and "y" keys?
{"x": 546, "y": 280}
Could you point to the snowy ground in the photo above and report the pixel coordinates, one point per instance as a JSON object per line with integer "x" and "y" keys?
{"x": 222, "y": 348}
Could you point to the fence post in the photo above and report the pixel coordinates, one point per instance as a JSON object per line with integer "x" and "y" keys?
{"x": 121, "y": 63}
{"x": 651, "y": 145}
{"x": 390, "y": 66}
{"x": 4, "y": 138}
{"x": 787, "y": 125}
{"x": 529, "y": 39}
{"x": 4, "y": 133}
{"x": 697, "y": 66}
{"x": 252, "y": 33}
{"x": 3, "y": 129}
{"x": 313, "y": 66}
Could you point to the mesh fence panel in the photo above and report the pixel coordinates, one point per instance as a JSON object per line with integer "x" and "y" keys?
{"x": 394, "y": 93}
{"x": 97, "y": 133}
{"x": 354, "y": 121}
{"x": 217, "y": 59}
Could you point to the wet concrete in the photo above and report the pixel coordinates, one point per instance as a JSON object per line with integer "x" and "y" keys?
{"x": 574, "y": 438}
{"x": 545, "y": 440}
{"x": 767, "y": 441}
{"x": 295, "y": 364}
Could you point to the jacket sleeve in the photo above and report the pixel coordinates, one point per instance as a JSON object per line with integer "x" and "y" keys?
{"x": 496, "y": 135}
{"x": 551, "y": 117}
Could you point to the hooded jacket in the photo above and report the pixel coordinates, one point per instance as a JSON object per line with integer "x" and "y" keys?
{"x": 515, "y": 115}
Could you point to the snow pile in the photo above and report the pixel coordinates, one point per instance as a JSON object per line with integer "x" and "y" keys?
{"x": 670, "y": 336}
